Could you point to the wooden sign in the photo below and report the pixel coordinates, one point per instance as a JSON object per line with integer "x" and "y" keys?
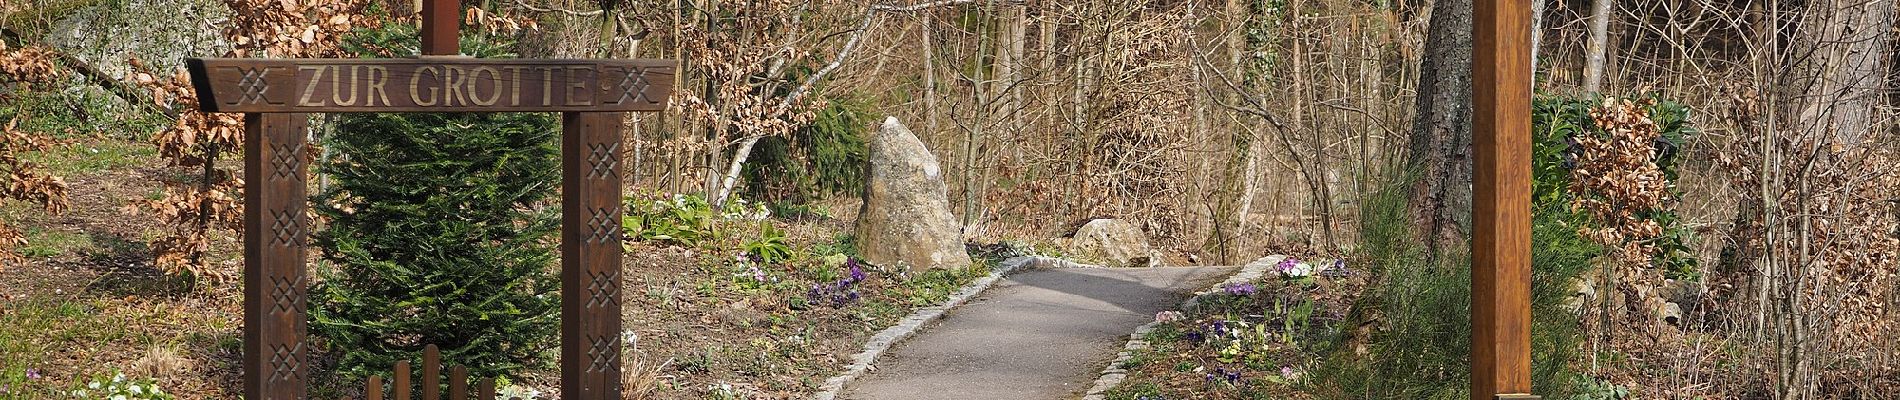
{"x": 277, "y": 96}
{"x": 430, "y": 84}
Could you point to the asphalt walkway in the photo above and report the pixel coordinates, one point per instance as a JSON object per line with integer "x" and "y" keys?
{"x": 1039, "y": 334}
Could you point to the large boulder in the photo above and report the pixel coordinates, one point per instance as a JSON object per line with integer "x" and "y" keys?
{"x": 1113, "y": 243}
{"x": 906, "y": 220}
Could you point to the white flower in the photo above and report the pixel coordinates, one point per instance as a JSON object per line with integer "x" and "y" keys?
{"x": 118, "y": 397}
{"x": 94, "y": 385}
{"x": 136, "y": 390}
{"x": 1297, "y": 270}
{"x": 116, "y": 378}
{"x": 1168, "y": 316}
{"x": 629, "y": 339}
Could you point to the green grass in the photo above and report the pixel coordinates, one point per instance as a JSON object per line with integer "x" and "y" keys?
{"x": 31, "y": 331}
{"x": 70, "y": 340}
{"x": 1422, "y": 347}
{"x": 91, "y": 156}
{"x": 47, "y": 243}
{"x": 936, "y": 285}
{"x": 1140, "y": 391}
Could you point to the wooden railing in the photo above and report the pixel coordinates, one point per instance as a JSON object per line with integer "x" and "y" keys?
{"x": 431, "y": 381}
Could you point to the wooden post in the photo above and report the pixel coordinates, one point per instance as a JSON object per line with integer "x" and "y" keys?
{"x": 274, "y": 238}
{"x": 1501, "y": 246}
{"x": 440, "y": 21}
{"x": 590, "y": 256}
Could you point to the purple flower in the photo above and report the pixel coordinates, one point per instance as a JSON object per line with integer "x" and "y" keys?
{"x": 32, "y": 373}
{"x": 1288, "y": 264}
{"x": 1196, "y": 337}
{"x": 857, "y": 274}
{"x": 1242, "y": 289}
{"x": 1337, "y": 270}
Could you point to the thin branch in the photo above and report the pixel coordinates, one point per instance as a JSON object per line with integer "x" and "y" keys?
{"x": 791, "y": 98}
{"x": 524, "y": 4}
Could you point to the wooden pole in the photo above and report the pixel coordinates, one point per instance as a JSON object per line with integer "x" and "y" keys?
{"x": 590, "y": 256}
{"x": 275, "y": 233}
{"x": 1501, "y": 246}
{"x": 440, "y": 21}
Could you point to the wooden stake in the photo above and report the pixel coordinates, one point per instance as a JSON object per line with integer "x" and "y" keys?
{"x": 440, "y": 21}
{"x": 1501, "y": 246}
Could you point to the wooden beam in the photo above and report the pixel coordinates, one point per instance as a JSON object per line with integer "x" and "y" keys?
{"x": 276, "y": 230}
{"x": 590, "y": 255}
{"x": 1501, "y": 246}
{"x": 429, "y": 85}
{"x": 441, "y": 20}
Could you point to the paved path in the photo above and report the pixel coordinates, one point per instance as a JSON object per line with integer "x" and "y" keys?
{"x": 1040, "y": 334}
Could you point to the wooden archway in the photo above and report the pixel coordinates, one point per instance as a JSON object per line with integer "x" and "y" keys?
{"x": 276, "y": 97}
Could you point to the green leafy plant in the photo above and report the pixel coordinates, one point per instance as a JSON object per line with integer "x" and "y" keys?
{"x": 770, "y": 247}
{"x": 1557, "y": 122}
{"x": 1592, "y": 389}
{"x": 685, "y": 220}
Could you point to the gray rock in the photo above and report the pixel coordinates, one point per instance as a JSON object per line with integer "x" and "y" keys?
{"x": 1113, "y": 243}
{"x": 106, "y": 35}
{"x": 1670, "y": 313}
{"x": 905, "y": 220}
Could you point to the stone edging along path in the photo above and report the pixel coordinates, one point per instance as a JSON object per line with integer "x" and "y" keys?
{"x": 861, "y": 363}
{"x": 1114, "y": 373}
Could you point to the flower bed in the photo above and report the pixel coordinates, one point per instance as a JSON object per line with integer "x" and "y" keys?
{"x": 1249, "y": 340}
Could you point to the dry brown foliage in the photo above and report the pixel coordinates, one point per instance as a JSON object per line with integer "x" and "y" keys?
{"x": 1817, "y": 260}
{"x": 1617, "y": 178}
{"x": 20, "y": 179}
{"x": 24, "y": 181}
{"x": 192, "y": 209}
{"x": 30, "y": 64}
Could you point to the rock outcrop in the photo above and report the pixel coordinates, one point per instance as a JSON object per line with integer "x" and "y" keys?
{"x": 905, "y": 220}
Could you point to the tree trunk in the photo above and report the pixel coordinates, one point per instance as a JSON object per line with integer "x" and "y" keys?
{"x": 1537, "y": 36}
{"x": 1840, "y": 81}
{"x": 1234, "y": 196}
{"x": 1598, "y": 47}
{"x": 930, "y": 75}
{"x": 1832, "y": 95}
{"x": 1440, "y": 150}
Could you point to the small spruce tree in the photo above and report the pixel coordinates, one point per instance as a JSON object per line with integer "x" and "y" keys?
{"x": 440, "y": 232}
